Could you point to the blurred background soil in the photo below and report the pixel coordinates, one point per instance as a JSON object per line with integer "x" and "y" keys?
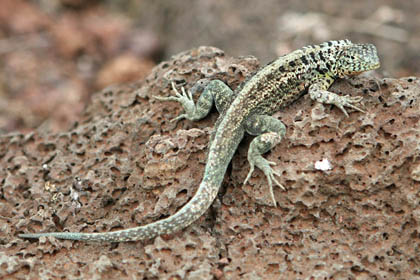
{"x": 55, "y": 53}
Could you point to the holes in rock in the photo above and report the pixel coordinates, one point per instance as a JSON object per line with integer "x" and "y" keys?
{"x": 378, "y": 258}
{"x": 107, "y": 200}
{"x": 182, "y": 193}
{"x": 385, "y": 134}
{"x": 298, "y": 119}
{"x": 117, "y": 193}
{"x": 108, "y": 93}
{"x": 391, "y": 187}
{"x": 334, "y": 256}
{"x": 356, "y": 269}
{"x": 114, "y": 150}
{"x": 46, "y": 147}
{"x": 189, "y": 247}
{"x": 232, "y": 69}
{"x": 166, "y": 251}
{"x": 273, "y": 267}
{"x": 115, "y": 170}
{"x": 308, "y": 195}
{"x": 56, "y": 221}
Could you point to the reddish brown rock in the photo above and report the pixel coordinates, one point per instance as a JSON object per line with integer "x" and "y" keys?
{"x": 125, "y": 164}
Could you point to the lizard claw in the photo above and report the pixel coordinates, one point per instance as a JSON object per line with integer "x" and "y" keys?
{"x": 251, "y": 170}
{"x": 180, "y": 117}
{"x": 348, "y": 101}
{"x": 185, "y": 98}
{"x": 264, "y": 165}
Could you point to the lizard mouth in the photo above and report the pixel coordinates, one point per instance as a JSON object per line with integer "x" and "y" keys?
{"x": 372, "y": 67}
{"x": 375, "y": 66}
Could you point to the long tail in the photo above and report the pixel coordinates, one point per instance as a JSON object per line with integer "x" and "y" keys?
{"x": 216, "y": 166}
{"x": 184, "y": 217}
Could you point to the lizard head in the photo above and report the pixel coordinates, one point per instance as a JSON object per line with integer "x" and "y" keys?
{"x": 357, "y": 58}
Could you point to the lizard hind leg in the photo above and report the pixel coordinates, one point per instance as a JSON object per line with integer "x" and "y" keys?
{"x": 270, "y": 131}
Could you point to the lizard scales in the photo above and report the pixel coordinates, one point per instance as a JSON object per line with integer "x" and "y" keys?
{"x": 249, "y": 108}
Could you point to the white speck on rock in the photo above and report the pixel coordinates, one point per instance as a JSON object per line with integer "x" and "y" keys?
{"x": 323, "y": 165}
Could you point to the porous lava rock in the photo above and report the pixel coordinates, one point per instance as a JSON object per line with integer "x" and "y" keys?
{"x": 124, "y": 164}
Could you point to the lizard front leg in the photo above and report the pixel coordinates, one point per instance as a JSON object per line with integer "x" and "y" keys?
{"x": 270, "y": 131}
{"x": 213, "y": 91}
{"x": 319, "y": 92}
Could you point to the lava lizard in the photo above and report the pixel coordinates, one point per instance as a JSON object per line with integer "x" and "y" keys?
{"x": 311, "y": 69}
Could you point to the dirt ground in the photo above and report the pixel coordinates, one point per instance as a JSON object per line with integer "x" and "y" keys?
{"x": 360, "y": 222}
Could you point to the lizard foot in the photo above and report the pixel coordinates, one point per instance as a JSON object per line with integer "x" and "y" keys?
{"x": 265, "y": 166}
{"x": 347, "y": 101}
{"x": 186, "y": 100}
